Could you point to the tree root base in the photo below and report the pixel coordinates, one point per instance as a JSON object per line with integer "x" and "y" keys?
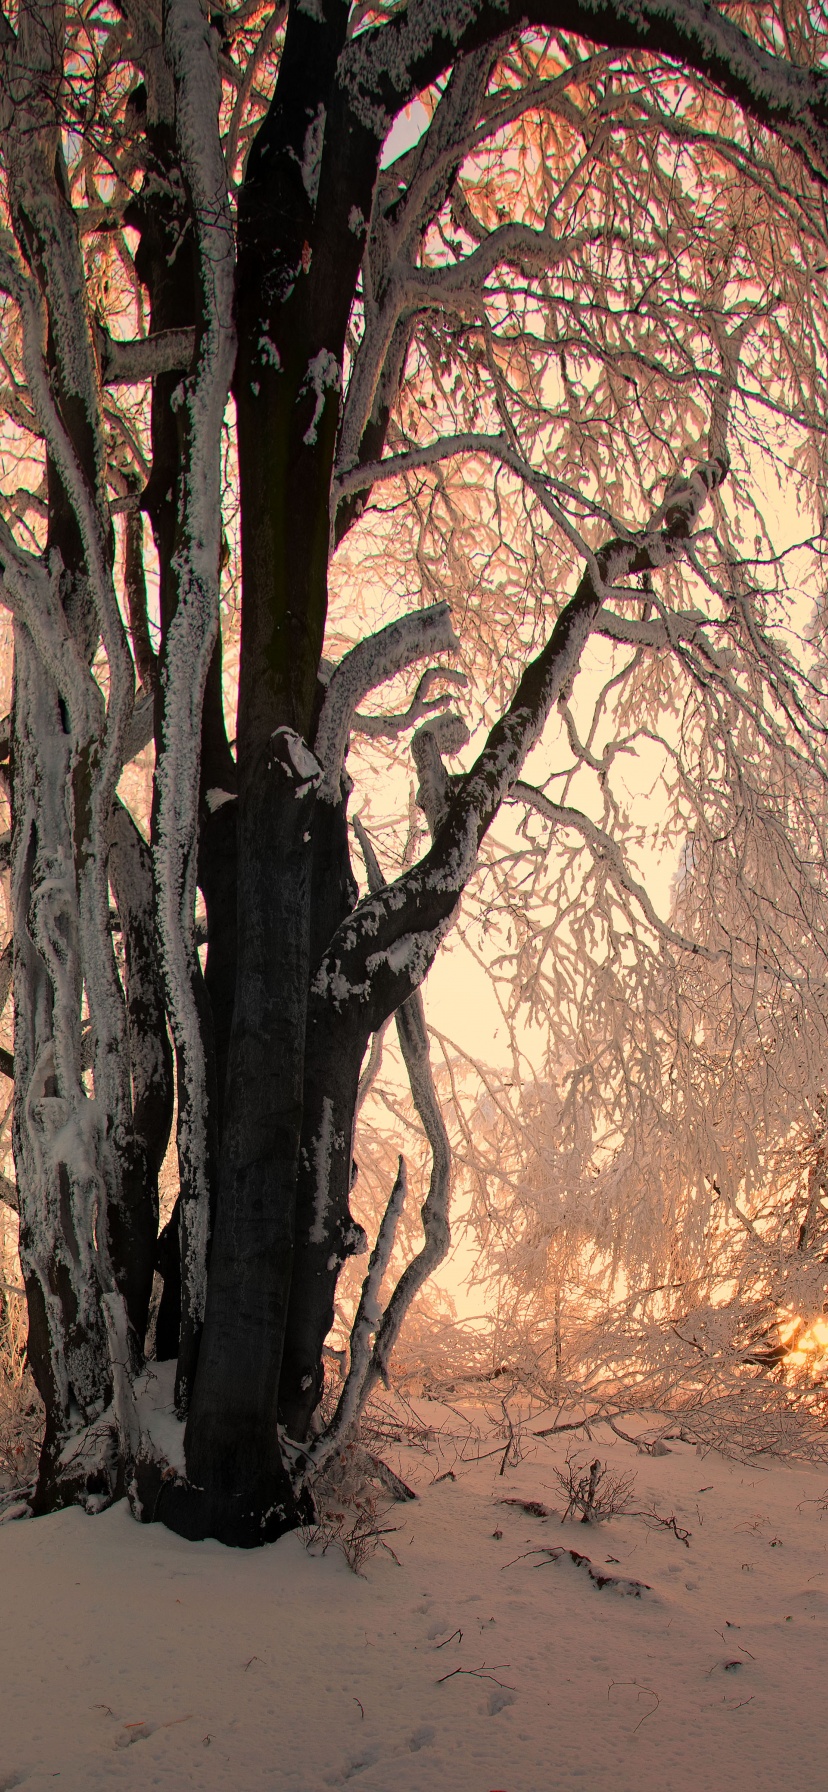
{"x": 196, "y": 1513}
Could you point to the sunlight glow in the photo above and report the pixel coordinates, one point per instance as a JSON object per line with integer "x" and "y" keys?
{"x": 811, "y": 1345}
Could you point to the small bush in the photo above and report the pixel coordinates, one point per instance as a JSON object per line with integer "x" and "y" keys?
{"x": 351, "y": 1503}
{"x": 590, "y": 1489}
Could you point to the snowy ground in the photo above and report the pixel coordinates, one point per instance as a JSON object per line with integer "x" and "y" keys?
{"x": 132, "y": 1659}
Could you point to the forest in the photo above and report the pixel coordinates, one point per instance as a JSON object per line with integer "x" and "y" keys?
{"x": 415, "y": 677}
{"x": 413, "y": 894}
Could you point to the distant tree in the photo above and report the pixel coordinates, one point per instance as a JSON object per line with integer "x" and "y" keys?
{"x": 326, "y": 343}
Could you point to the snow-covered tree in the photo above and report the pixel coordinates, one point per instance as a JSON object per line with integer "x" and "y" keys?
{"x": 362, "y": 307}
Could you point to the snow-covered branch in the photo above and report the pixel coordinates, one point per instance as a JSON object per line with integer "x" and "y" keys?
{"x": 127, "y": 363}
{"x": 410, "y": 460}
{"x": 31, "y": 593}
{"x": 386, "y": 946}
{"x": 468, "y": 442}
{"x": 90, "y": 522}
{"x": 606, "y": 850}
{"x": 368, "y": 1366}
{"x": 190, "y": 638}
{"x": 447, "y": 733}
{"x": 398, "y": 226}
{"x": 413, "y": 1038}
{"x": 422, "y": 704}
{"x": 657, "y": 632}
{"x": 384, "y": 67}
{"x": 369, "y": 664}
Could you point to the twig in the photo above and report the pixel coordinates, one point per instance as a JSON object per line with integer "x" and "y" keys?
{"x": 641, "y": 1688}
{"x": 552, "y": 1430}
{"x": 481, "y": 1673}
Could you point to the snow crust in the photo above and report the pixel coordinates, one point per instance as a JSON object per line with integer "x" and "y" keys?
{"x": 136, "y": 1659}
{"x": 269, "y": 353}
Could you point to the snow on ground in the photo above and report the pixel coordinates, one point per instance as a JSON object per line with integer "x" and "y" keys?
{"x": 132, "y": 1659}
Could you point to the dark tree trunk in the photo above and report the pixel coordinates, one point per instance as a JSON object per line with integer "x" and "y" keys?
{"x": 233, "y": 1453}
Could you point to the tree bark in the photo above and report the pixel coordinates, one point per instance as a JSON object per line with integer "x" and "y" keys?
{"x": 233, "y": 1456}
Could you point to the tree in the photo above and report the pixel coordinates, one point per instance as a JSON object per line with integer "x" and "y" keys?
{"x": 210, "y": 261}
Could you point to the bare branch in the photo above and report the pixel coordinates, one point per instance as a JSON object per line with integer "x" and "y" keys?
{"x": 608, "y": 852}
{"x": 367, "y": 1321}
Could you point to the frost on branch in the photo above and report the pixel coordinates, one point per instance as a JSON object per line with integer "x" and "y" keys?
{"x": 369, "y": 664}
{"x": 384, "y": 949}
{"x": 446, "y": 734}
{"x": 191, "y": 635}
{"x": 389, "y": 727}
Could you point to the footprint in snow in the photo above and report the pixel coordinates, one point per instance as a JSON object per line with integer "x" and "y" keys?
{"x": 421, "y": 1738}
{"x": 499, "y": 1700}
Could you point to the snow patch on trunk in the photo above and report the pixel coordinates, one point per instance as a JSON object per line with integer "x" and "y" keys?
{"x": 312, "y": 154}
{"x": 323, "y": 1157}
{"x": 324, "y": 375}
{"x": 155, "y": 1405}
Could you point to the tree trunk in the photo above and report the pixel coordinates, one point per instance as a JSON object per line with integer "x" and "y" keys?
{"x": 232, "y": 1441}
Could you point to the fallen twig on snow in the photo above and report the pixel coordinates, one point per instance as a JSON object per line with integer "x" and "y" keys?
{"x": 556, "y": 1553}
